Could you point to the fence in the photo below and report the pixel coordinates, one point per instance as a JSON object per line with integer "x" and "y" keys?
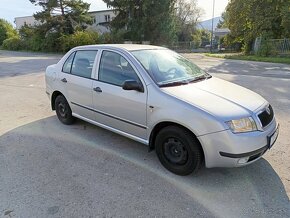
{"x": 277, "y": 46}
{"x": 188, "y": 46}
{"x": 192, "y": 46}
{"x": 181, "y": 46}
{"x": 200, "y": 47}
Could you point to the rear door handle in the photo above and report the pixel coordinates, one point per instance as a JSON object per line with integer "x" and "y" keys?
{"x": 64, "y": 80}
{"x": 98, "y": 89}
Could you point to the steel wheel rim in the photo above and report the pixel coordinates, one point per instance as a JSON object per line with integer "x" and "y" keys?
{"x": 62, "y": 110}
{"x": 174, "y": 151}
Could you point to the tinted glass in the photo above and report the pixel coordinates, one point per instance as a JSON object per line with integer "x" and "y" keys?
{"x": 115, "y": 69}
{"x": 168, "y": 67}
{"x": 67, "y": 64}
{"x": 83, "y": 63}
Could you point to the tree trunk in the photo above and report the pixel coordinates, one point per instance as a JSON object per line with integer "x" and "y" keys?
{"x": 61, "y": 7}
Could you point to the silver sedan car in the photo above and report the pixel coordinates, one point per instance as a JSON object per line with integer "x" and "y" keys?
{"x": 157, "y": 97}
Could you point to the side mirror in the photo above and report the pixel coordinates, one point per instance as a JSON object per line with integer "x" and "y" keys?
{"x": 133, "y": 85}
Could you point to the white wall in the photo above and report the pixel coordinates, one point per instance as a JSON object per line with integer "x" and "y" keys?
{"x": 101, "y": 20}
{"x": 100, "y": 23}
{"x": 100, "y": 16}
{"x": 21, "y": 21}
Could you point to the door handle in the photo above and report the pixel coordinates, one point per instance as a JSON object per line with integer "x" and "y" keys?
{"x": 98, "y": 89}
{"x": 64, "y": 80}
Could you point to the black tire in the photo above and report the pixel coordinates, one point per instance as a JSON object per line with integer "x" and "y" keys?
{"x": 63, "y": 110}
{"x": 178, "y": 150}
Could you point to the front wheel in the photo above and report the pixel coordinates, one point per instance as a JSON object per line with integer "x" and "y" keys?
{"x": 63, "y": 110}
{"x": 178, "y": 150}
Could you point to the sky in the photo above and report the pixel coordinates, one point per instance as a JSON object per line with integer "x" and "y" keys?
{"x": 9, "y": 9}
{"x": 207, "y": 6}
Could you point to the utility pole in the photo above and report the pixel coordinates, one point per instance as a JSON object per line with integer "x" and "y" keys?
{"x": 212, "y": 22}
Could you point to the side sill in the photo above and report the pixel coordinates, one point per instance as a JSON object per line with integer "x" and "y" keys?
{"x": 135, "y": 138}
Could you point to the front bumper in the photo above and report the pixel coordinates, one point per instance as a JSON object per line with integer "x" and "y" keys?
{"x": 226, "y": 149}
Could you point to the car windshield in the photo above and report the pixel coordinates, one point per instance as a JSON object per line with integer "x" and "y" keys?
{"x": 167, "y": 68}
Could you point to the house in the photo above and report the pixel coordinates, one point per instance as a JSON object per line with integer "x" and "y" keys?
{"x": 27, "y": 20}
{"x": 101, "y": 20}
{"x": 220, "y": 32}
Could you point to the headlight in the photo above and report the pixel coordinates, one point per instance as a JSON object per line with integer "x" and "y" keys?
{"x": 242, "y": 125}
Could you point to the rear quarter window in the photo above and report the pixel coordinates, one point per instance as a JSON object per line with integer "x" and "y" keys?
{"x": 68, "y": 63}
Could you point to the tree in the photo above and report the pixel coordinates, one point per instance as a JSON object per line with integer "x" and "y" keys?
{"x": 201, "y": 38}
{"x": 248, "y": 19}
{"x": 285, "y": 23}
{"x": 6, "y": 30}
{"x": 58, "y": 18}
{"x": 224, "y": 21}
{"x": 144, "y": 20}
{"x": 187, "y": 15}
{"x": 62, "y": 16}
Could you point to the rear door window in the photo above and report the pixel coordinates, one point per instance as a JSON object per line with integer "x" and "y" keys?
{"x": 83, "y": 63}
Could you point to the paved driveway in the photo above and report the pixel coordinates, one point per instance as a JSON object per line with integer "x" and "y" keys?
{"x": 51, "y": 170}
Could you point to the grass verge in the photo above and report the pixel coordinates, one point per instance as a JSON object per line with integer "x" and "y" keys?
{"x": 239, "y": 56}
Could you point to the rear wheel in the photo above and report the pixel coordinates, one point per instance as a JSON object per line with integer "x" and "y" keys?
{"x": 178, "y": 150}
{"x": 63, "y": 110}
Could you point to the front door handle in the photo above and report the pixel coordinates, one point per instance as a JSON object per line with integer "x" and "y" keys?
{"x": 98, "y": 89}
{"x": 64, "y": 80}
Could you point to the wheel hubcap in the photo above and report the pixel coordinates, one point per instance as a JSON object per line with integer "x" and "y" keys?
{"x": 175, "y": 152}
{"x": 62, "y": 110}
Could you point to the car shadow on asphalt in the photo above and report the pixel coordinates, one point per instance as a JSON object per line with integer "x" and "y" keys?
{"x": 252, "y": 191}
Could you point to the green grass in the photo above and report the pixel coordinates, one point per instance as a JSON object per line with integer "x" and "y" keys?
{"x": 239, "y": 56}
{"x": 217, "y": 55}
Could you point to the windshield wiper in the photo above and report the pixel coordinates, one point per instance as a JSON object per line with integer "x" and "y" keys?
{"x": 199, "y": 78}
{"x": 179, "y": 83}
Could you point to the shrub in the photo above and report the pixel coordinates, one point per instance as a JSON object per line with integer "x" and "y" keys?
{"x": 51, "y": 43}
{"x": 13, "y": 43}
{"x": 106, "y": 38}
{"x": 117, "y": 36}
{"x": 266, "y": 49}
{"x": 34, "y": 43}
{"x": 37, "y": 39}
{"x": 68, "y": 42}
{"x": 6, "y": 31}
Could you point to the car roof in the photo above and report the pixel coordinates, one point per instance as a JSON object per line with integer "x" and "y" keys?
{"x": 128, "y": 47}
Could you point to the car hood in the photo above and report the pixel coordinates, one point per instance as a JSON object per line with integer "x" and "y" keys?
{"x": 218, "y": 97}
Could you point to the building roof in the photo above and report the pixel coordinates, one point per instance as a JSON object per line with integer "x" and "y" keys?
{"x": 25, "y": 16}
{"x": 221, "y": 31}
{"x": 90, "y": 12}
{"x": 107, "y": 10}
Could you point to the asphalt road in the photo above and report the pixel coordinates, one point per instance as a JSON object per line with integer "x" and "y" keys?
{"x": 51, "y": 170}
